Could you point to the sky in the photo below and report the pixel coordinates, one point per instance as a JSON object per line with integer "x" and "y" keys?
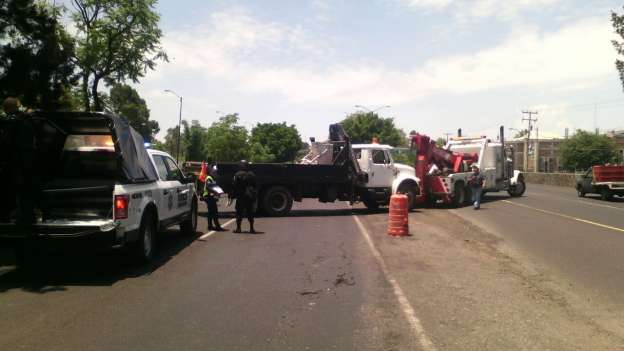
{"x": 439, "y": 64}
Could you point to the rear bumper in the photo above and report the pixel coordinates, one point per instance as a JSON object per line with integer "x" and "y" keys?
{"x": 102, "y": 236}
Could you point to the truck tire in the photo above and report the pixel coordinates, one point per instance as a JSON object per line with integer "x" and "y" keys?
{"x": 459, "y": 195}
{"x": 518, "y": 189}
{"x": 277, "y": 201}
{"x": 371, "y": 205}
{"x": 189, "y": 225}
{"x": 580, "y": 192}
{"x": 142, "y": 250}
{"x": 605, "y": 195}
{"x": 411, "y": 191}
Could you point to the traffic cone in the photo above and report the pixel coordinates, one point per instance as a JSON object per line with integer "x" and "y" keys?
{"x": 398, "y": 217}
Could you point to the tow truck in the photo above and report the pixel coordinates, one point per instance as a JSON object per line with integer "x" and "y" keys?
{"x": 101, "y": 188}
{"x": 445, "y": 171}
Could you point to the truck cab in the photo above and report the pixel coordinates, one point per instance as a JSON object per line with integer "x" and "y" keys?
{"x": 385, "y": 177}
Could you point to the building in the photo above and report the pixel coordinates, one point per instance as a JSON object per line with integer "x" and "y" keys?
{"x": 546, "y": 159}
{"x": 618, "y": 137}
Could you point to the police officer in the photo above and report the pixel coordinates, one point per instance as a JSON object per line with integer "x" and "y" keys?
{"x": 245, "y": 192}
{"x": 211, "y": 198}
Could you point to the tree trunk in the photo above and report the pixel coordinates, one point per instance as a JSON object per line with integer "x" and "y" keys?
{"x": 97, "y": 104}
{"x": 85, "y": 92}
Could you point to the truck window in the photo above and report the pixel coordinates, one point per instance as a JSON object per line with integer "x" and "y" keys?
{"x": 174, "y": 173}
{"x": 88, "y": 156}
{"x": 379, "y": 157}
{"x": 358, "y": 154}
{"x": 161, "y": 167}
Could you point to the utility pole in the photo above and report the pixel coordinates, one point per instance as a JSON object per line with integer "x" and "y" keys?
{"x": 530, "y": 119}
{"x": 447, "y": 136}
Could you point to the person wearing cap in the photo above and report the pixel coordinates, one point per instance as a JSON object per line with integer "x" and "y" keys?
{"x": 245, "y": 191}
{"x": 476, "y": 182}
{"x": 211, "y": 198}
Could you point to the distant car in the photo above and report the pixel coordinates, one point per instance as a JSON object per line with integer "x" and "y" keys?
{"x": 605, "y": 180}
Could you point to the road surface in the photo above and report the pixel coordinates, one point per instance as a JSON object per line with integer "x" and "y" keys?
{"x": 537, "y": 272}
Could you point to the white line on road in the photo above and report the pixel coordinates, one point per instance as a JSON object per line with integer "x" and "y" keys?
{"x": 212, "y": 232}
{"x": 566, "y": 216}
{"x": 407, "y": 308}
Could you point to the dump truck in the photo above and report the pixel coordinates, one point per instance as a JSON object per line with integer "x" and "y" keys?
{"x": 606, "y": 180}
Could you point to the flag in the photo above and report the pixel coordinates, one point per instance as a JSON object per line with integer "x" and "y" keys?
{"x": 204, "y": 172}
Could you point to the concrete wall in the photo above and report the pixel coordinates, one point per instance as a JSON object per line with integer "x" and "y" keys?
{"x": 559, "y": 179}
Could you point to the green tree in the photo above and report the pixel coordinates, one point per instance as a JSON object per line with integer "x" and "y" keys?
{"x": 585, "y": 149}
{"x": 226, "y": 141}
{"x": 194, "y": 137}
{"x": 124, "y": 101}
{"x": 116, "y": 40}
{"x": 363, "y": 126}
{"x": 170, "y": 144}
{"x": 618, "y": 24}
{"x": 276, "y": 142}
{"x": 35, "y": 54}
{"x": 521, "y": 134}
{"x": 440, "y": 142}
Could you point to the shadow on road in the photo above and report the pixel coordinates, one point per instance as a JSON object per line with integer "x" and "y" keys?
{"x": 60, "y": 269}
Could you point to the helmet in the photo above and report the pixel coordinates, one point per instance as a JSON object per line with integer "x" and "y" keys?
{"x": 243, "y": 165}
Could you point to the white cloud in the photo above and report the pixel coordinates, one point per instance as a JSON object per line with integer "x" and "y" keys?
{"x": 480, "y": 9}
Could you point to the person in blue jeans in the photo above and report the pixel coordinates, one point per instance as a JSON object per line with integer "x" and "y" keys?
{"x": 476, "y": 182}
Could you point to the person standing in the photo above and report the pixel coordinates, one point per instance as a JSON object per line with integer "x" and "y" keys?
{"x": 476, "y": 182}
{"x": 211, "y": 197}
{"x": 245, "y": 191}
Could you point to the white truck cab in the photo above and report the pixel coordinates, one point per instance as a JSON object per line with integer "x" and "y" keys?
{"x": 385, "y": 177}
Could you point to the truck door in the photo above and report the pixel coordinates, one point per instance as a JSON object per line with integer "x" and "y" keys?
{"x": 587, "y": 180}
{"x": 182, "y": 191}
{"x": 164, "y": 195}
{"x": 381, "y": 172}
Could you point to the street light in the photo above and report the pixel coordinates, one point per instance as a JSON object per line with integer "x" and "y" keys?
{"x": 179, "y": 123}
{"x": 372, "y": 111}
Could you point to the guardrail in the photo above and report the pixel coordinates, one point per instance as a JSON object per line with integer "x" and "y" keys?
{"x": 558, "y": 179}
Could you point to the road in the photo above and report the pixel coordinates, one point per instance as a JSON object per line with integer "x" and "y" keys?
{"x": 537, "y": 272}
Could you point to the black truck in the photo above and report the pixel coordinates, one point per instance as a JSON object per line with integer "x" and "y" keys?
{"x": 279, "y": 184}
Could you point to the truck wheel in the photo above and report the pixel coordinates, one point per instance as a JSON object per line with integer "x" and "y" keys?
{"x": 580, "y": 192}
{"x": 277, "y": 201}
{"x": 459, "y": 195}
{"x": 606, "y": 195}
{"x": 411, "y": 191}
{"x": 372, "y": 205}
{"x": 518, "y": 189}
{"x": 189, "y": 226}
{"x": 142, "y": 250}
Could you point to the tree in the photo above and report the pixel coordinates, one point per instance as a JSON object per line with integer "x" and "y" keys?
{"x": 276, "y": 142}
{"x": 440, "y": 142}
{"x": 521, "y": 133}
{"x": 126, "y": 102}
{"x": 585, "y": 149}
{"x": 170, "y": 144}
{"x": 35, "y": 54}
{"x": 226, "y": 140}
{"x": 116, "y": 40}
{"x": 194, "y": 137}
{"x": 363, "y": 126}
{"x": 618, "y": 24}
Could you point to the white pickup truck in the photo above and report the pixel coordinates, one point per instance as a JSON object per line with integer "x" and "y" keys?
{"x": 101, "y": 187}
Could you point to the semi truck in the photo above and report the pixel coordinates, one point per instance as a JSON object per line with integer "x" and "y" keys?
{"x": 606, "y": 180}
{"x": 445, "y": 171}
{"x": 335, "y": 170}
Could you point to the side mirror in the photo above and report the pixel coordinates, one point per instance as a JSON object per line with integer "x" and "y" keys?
{"x": 191, "y": 178}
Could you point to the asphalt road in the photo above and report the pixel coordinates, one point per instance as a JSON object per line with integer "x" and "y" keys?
{"x": 305, "y": 282}
{"x": 578, "y": 241}
{"x": 533, "y": 273}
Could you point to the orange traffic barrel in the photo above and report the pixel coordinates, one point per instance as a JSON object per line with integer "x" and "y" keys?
{"x": 398, "y": 215}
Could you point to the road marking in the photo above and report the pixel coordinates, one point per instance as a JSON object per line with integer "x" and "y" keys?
{"x": 567, "y": 217}
{"x": 212, "y": 232}
{"x": 407, "y": 308}
{"x": 586, "y": 202}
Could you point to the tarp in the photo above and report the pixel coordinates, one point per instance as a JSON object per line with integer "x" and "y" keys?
{"x": 53, "y": 128}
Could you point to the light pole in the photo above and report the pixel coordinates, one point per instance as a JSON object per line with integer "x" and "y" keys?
{"x": 179, "y": 123}
{"x": 372, "y": 111}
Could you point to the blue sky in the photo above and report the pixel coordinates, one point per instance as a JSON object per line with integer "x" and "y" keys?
{"x": 440, "y": 64}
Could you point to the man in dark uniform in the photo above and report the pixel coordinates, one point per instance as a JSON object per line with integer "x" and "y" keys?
{"x": 476, "y": 182}
{"x": 23, "y": 163}
{"x": 245, "y": 192}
